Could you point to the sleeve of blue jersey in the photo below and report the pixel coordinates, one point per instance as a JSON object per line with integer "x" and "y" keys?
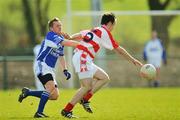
{"x": 55, "y": 38}
{"x": 58, "y": 40}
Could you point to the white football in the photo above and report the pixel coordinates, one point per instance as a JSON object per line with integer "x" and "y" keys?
{"x": 148, "y": 71}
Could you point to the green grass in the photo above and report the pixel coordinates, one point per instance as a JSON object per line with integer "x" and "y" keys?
{"x": 108, "y": 104}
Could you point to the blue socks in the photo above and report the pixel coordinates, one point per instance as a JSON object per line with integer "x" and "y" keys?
{"x": 43, "y": 95}
{"x": 43, "y": 101}
{"x": 35, "y": 93}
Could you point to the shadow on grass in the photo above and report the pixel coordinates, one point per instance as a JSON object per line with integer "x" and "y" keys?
{"x": 20, "y": 118}
{"x": 31, "y": 118}
{"x": 50, "y": 118}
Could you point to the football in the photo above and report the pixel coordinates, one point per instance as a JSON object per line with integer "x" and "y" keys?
{"x": 148, "y": 71}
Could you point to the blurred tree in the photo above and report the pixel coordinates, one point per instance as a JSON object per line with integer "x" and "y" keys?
{"x": 161, "y": 23}
{"x": 29, "y": 20}
{"x": 39, "y": 15}
{"x": 3, "y": 38}
{"x": 42, "y": 16}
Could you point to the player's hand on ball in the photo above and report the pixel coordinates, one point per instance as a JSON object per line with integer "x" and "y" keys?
{"x": 148, "y": 71}
{"x": 67, "y": 74}
{"x": 137, "y": 63}
{"x": 143, "y": 75}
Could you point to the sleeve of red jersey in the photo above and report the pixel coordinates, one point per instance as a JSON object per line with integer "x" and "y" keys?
{"x": 108, "y": 40}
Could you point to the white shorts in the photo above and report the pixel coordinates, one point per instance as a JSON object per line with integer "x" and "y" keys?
{"x": 83, "y": 64}
{"x": 38, "y": 84}
{"x": 43, "y": 68}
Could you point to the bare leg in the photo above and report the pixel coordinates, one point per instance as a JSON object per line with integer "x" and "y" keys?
{"x": 50, "y": 88}
{"x": 101, "y": 78}
{"x": 86, "y": 85}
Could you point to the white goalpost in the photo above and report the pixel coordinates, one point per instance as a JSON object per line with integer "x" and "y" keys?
{"x": 154, "y": 12}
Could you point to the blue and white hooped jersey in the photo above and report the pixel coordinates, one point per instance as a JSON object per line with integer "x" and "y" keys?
{"x": 51, "y": 49}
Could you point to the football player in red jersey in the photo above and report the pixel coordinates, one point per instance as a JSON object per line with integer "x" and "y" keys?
{"x": 90, "y": 43}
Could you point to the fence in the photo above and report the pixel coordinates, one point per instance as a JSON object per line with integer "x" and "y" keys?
{"x": 17, "y": 71}
{"x": 4, "y": 60}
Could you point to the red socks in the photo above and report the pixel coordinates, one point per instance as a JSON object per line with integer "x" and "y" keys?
{"x": 88, "y": 96}
{"x": 69, "y": 107}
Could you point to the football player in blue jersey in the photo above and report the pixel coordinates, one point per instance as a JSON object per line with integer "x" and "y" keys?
{"x": 52, "y": 48}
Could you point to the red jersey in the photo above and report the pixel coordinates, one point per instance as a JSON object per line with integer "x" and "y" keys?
{"x": 96, "y": 38}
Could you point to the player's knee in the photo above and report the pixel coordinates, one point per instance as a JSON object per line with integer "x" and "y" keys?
{"x": 106, "y": 79}
{"x": 55, "y": 96}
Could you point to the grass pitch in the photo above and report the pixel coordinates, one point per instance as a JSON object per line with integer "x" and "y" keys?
{"x": 108, "y": 104}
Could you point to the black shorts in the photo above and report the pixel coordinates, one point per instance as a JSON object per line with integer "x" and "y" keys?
{"x": 45, "y": 78}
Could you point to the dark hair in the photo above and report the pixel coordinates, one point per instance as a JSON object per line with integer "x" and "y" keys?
{"x": 108, "y": 17}
{"x": 50, "y": 22}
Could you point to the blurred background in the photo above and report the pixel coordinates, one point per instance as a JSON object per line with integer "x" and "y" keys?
{"x": 23, "y": 24}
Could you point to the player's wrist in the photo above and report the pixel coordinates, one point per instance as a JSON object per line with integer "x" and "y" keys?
{"x": 65, "y": 70}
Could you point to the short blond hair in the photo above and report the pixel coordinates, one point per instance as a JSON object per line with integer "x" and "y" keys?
{"x": 50, "y": 22}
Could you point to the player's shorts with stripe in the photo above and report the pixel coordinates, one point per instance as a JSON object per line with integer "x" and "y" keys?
{"x": 44, "y": 72}
{"x": 84, "y": 65}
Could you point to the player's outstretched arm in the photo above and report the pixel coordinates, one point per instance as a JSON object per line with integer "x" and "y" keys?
{"x": 121, "y": 51}
{"x": 76, "y": 37}
{"x": 69, "y": 43}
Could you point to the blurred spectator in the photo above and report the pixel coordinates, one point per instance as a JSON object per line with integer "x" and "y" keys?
{"x": 36, "y": 49}
{"x": 154, "y": 53}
